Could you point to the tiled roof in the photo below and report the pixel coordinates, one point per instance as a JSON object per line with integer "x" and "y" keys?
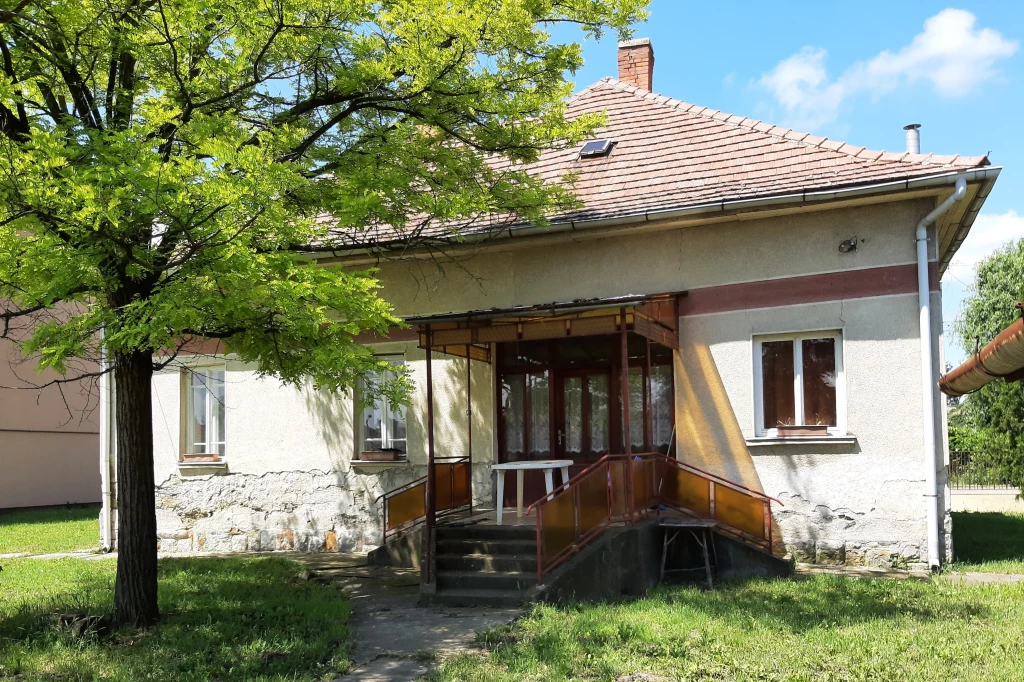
{"x": 670, "y": 154}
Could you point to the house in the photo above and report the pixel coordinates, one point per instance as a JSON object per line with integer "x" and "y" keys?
{"x": 737, "y": 302}
{"x": 48, "y": 438}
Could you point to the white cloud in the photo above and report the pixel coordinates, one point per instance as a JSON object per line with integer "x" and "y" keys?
{"x": 989, "y": 232}
{"x": 951, "y": 53}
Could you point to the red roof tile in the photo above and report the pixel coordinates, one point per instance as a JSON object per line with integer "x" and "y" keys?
{"x": 670, "y": 154}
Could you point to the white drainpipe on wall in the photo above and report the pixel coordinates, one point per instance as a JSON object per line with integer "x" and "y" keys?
{"x": 927, "y": 377}
{"x": 106, "y": 455}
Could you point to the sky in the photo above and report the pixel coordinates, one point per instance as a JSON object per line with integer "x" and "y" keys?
{"x": 858, "y": 72}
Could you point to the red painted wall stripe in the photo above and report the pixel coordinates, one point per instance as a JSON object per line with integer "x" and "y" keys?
{"x": 832, "y": 286}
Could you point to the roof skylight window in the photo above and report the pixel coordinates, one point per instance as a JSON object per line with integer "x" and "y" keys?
{"x": 596, "y": 148}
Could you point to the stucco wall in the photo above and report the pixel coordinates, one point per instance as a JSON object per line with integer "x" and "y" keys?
{"x": 49, "y": 442}
{"x": 860, "y": 503}
{"x": 987, "y": 500}
{"x": 289, "y": 481}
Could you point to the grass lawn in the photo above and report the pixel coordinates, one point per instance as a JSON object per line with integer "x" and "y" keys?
{"x": 988, "y": 542}
{"x": 56, "y": 529}
{"x": 223, "y": 619}
{"x": 826, "y": 628}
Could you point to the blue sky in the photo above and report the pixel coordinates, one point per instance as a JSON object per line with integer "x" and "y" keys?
{"x": 859, "y": 72}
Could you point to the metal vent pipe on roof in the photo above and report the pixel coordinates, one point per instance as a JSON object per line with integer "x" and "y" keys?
{"x": 913, "y": 138}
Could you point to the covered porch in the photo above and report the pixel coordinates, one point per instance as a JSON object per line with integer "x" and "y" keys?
{"x": 587, "y": 382}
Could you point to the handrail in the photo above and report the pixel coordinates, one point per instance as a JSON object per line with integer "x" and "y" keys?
{"x": 577, "y": 521}
{"x": 415, "y": 515}
{"x": 565, "y": 486}
{"x": 724, "y": 481}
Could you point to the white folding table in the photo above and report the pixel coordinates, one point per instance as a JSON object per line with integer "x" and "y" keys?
{"x": 548, "y": 465}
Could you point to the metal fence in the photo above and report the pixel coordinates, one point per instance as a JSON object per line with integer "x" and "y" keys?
{"x": 967, "y": 472}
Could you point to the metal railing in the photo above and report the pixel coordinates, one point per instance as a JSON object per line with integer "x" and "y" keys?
{"x": 628, "y": 488}
{"x": 405, "y": 507}
{"x": 966, "y": 472}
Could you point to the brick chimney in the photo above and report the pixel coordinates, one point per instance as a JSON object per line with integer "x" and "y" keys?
{"x": 636, "y": 63}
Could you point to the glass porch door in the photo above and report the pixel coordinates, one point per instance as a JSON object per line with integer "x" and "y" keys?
{"x": 582, "y": 416}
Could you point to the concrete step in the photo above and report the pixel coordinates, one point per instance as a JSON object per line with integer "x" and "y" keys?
{"x": 492, "y": 598}
{"x": 512, "y": 563}
{"x": 484, "y": 580}
{"x": 495, "y": 547}
{"x": 482, "y": 532}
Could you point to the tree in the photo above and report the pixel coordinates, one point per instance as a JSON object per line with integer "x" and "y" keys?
{"x": 166, "y": 167}
{"x": 992, "y": 418}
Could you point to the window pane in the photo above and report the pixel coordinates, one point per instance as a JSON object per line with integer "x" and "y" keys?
{"x": 396, "y": 428}
{"x": 661, "y": 399}
{"x": 540, "y": 435}
{"x": 215, "y": 396}
{"x": 512, "y": 392}
{"x": 636, "y": 408}
{"x": 197, "y": 413}
{"x": 819, "y": 381}
{"x": 572, "y": 394}
{"x": 598, "y": 387}
{"x": 373, "y": 430}
{"x": 777, "y": 383}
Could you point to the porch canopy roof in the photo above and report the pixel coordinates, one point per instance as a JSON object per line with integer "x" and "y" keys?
{"x": 653, "y": 316}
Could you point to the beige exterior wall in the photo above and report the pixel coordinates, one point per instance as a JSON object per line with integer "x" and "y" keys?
{"x": 860, "y": 502}
{"x": 289, "y": 481}
{"x": 49, "y": 442}
{"x": 981, "y": 500}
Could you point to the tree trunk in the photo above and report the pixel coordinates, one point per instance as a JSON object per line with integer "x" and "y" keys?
{"x": 135, "y": 589}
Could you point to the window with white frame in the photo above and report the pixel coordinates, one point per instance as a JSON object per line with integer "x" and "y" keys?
{"x": 204, "y": 410}
{"x": 799, "y": 382}
{"x": 383, "y": 424}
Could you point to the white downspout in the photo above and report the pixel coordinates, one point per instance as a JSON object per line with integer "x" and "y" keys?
{"x": 927, "y": 376}
{"x": 106, "y": 454}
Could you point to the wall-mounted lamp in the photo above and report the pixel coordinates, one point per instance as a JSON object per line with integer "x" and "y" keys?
{"x": 848, "y": 246}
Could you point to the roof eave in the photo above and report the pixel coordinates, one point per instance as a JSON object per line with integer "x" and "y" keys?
{"x": 985, "y": 174}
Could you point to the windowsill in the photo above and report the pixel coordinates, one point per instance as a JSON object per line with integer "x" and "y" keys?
{"x": 219, "y": 464}
{"x": 377, "y": 465}
{"x": 801, "y": 440}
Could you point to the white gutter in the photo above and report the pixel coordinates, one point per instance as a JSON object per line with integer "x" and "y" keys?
{"x": 927, "y": 375}
{"x": 106, "y": 454}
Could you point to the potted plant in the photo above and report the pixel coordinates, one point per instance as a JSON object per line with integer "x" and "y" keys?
{"x": 199, "y": 457}
{"x": 803, "y": 430}
{"x": 382, "y": 455}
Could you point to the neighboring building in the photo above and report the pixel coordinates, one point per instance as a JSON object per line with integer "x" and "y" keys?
{"x": 775, "y": 277}
{"x": 49, "y": 442}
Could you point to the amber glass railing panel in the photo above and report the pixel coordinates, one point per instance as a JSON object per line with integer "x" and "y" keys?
{"x": 643, "y": 483}
{"x": 443, "y": 487}
{"x": 558, "y": 525}
{"x": 460, "y": 493}
{"x": 740, "y": 510}
{"x": 616, "y": 478}
{"x": 592, "y": 494}
{"x": 685, "y": 489}
{"x": 407, "y": 506}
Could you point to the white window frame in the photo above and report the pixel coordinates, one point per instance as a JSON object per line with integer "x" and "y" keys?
{"x": 188, "y": 434}
{"x": 798, "y": 373}
{"x": 386, "y": 441}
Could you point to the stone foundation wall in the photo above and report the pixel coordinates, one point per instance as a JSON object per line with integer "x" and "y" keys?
{"x": 308, "y": 511}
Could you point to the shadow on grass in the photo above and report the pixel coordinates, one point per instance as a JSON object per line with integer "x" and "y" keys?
{"x": 224, "y": 619}
{"x": 806, "y": 604}
{"x": 983, "y": 537}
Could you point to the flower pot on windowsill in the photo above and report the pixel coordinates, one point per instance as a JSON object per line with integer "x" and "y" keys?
{"x": 197, "y": 458}
{"x": 803, "y": 430}
{"x": 379, "y": 456}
